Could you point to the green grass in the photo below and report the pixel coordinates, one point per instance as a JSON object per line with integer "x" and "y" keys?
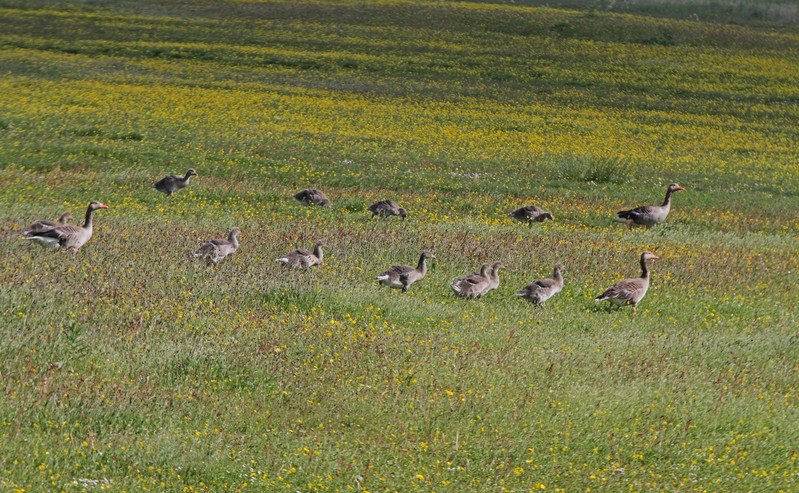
{"x": 129, "y": 366}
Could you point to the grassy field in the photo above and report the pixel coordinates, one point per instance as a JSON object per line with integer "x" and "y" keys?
{"x": 127, "y": 366}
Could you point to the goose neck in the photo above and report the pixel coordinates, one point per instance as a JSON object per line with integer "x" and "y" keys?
{"x": 87, "y": 223}
{"x": 667, "y": 200}
{"x": 644, "y": 268}
{"x": 422, "y": 266}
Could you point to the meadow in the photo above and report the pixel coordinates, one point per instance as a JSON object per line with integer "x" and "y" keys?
{"x": 129, "y": 367}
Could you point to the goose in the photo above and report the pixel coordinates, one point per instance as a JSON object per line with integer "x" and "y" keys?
{"x": 540, "y": 290}
{"x": 44, "y": 225}
{"x": 493, "y": 278}
{"x": 215, "y": 250}
{"x": 473, "y": 285}
{"x": 67, "y": 237}
{"x": 172, "y": 183}
{"x": 312, "y": 196}
{"x": 630, "y": 291}
{"x": 531, "y": 214}
{"x": 302, "y": 258}
{"x": 402, "y": 276}
{"x": 385, "y": 208}
{"x": 648, "y": 215}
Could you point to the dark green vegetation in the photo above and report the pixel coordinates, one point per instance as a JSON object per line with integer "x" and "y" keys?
{"x": 127, "y": 365}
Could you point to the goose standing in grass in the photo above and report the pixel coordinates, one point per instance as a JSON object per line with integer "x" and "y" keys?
{"x": 402, "y": 276}
{"x": 172, "y": 183}
{"x": 302, "y": 258}
{"x": 630, "y": 291}
{"x": 215, "y": 250}
{"x": 540, "y": 290}
{"x": 531, "y": 214}
{"x": 473, "y": 285}
{"x": 69, "y": 238}
{"x": 312, "y": 196}
{"x": 493, "y": 278}
{"x": 648, "y": 215}
{"x": 385, "y": 208}
{"x": 44, "y": 225}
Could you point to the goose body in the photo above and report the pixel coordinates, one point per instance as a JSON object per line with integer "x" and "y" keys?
{"x": 215, "y": 250}
{"x": 402, "y": 276}
{"x": 630, "y": 291}
{"x": 172, "y": 183}
{"x": 385, "y": 208}
{"x": 540, "y": 290}
{"x": 648, "y": 215}
{"x": 530, "y": 214}
{"x": 302, "y": 258}
{"x": 473, "y": 285}
{"x": 44, "y": 225}
{"x": 65, "y": 236}
{"x": 312, "y": 196}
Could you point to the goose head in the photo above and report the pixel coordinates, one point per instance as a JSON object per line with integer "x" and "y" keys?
{"x": 191, "y": 172}
{"x": 546, "y": 215}
{"x": 403, "y": 213}
{"x": 648, "y": 256}
{"x": 94, "y": 205}
{"x": 674, "y": 187}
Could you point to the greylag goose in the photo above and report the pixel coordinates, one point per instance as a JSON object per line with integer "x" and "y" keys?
{"x": 68, "y": 237}
{"x": 531, "y": 214}
{"x": 648, "y": 215}
{"x": 402, "y": 276}
{"x": 44, "y": 225}
{"x": 385, "y": 208}
{"x": 473, "y": 285}
{"x": 172, "y": 183}
{"x": 215, "y": 250}
{"x": 540, "y": 290}
{"x": 493, "y": 278}
{"x": 630, "y": 291}
{"x": 312, "y": 196}
{"x": 302, "y": 258}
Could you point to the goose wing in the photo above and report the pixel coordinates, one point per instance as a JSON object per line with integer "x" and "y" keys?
{"x": 630, "y": 290}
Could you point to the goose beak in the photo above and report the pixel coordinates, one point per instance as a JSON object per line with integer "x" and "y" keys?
{"x": 102, "y": 206}
{"x": 679, "y": 188}
{"x": 655, "y": 257}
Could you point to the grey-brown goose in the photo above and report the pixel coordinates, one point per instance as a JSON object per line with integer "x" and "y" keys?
{"x": 67, "y": 237}
{"x": 385, "y": 208}
{"x": 302, "y": 258}
{"x": 493, "y": 278}
{"x": 531, "y": 214}
{"x": 312, "y": 196}
{"x": 630, "y": 291}
{"x": 648, "y": 215}
{"x": 172, "y": 183}
{"x": 44, "y": 225}
{"x": 402, "y": 276}
{"x": 540, "y": 290}
{"x": 473, "y": 285}
{"x": 215, "y": 250}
